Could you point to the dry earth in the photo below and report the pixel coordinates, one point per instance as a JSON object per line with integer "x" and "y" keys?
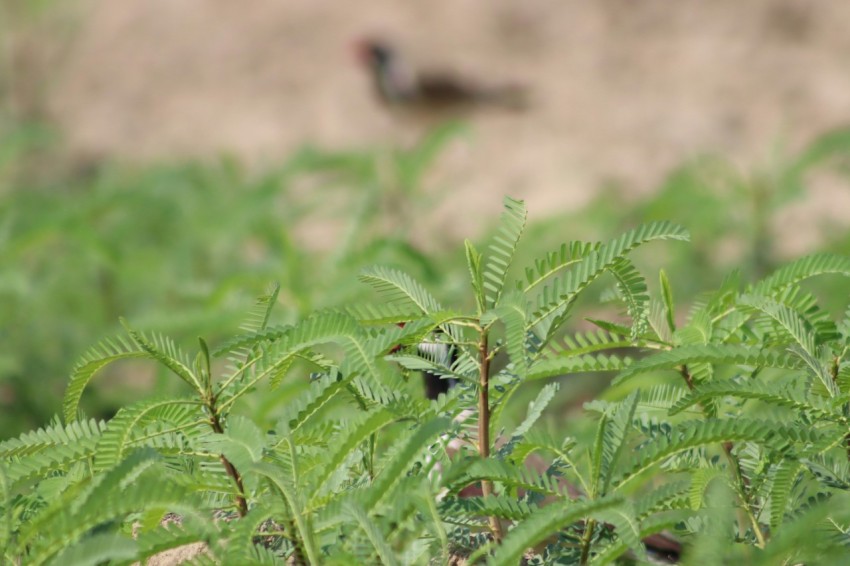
{"x": 623, "y": 90}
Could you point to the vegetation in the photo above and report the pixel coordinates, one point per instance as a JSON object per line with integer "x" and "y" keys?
{"x": 727, "y": 427}
{"x": 591, "y": 411}
{"x": 305, "y": 438}
{"x": 75, "y": 254}
{"x": 182, "y": 248}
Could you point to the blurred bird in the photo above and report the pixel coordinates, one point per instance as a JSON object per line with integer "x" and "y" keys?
{"x": 398, "y": 85}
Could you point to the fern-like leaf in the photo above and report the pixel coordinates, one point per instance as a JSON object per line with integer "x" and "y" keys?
{"x": 470, "y": 510}
{"x": 801, "y": 269}
{"x": 511, "y": 311}
{"x": 701, "y": 479}
{"x": 535, "y": 409}
{"x": 400, "y": 460}
{"x": 560, "y": 293}
{"x": 699, "y": 433}
{"x": 771, "y": 393}
{"x": 665, "y": 521}
{"x": 323, "y": 328}
{"x": 663, "y": 498}
{"x": 508, "y": 475}
{"x": 166, "y": 352}
{"x": 129, "y": 423}
{"x": 710, "y": 353}
{"x": 282, "y": 480}
{"x": 541, "y": 524}
{"x": 502, "y": 249}
{"x": 799, "y": 331}
{"x": 56, "y": 448}
{"x": 95, "y": 359}
{"x": 615, "y": 434}
{"x": 345, "y": 446}
{"x": 579, "y": 364}
{"x": 258, "y": 318}
{"x": 581, "y": 343}
{"x": 626, "y": 525}
{"x": 633, "y": 289}
{"x": 780, "y": 492}
{"x": 383, "y": 313}
{"x": 553, "y": 262}
{"x": 55, "y": 434}
{"x": 373, "y": 533}
{"x": 476, "y": 275}
{"x": 98, "y": 549}
{"x": 149, "y": 491}
{"x": 662, "y": 396}
{"x": 322, "y": 392}
{"x": 117, "y": 478}
{"x": 400, "y": 289}
{"x": 59, "y": 457}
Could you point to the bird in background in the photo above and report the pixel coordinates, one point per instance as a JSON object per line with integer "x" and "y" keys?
{"x": 398, "y": 85}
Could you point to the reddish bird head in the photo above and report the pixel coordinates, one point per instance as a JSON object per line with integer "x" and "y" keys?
{"x": 373, "y": 52}
{"x": 393, "y": 81}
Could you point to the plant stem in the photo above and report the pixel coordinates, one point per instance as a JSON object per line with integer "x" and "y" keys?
{"x": 686, "y": 375}
{"x": 585, "y": 541}
{"x": 833, "y": 372}
{"x": 740, "y": 480}
{"x": 215, "y": 422}
{"x": 298, "y": 558}
{"x": 484, "y": 424}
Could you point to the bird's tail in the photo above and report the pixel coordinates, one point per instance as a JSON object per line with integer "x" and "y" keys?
{"x": 511, "y": 96}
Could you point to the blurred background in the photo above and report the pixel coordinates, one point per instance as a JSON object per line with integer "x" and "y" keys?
{"x": 166, "y": 160}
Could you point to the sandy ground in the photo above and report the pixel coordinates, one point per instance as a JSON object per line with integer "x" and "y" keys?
{"x": 622, "y": 90}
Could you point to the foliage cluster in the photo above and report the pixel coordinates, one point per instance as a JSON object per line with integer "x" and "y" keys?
{"x": 75, "y": 253}
{"x": 179, "y": 248}
{"x": 730, "y": 430}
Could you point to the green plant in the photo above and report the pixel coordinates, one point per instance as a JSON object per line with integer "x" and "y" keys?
{"x": 729, "y": 430}
{"x": 735, "y": 213}
{"x": 176, "y": 248}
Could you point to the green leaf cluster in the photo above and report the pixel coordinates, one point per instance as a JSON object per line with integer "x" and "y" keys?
{"x": 726, "y": 430}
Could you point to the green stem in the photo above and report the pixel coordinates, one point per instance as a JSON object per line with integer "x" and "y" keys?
{"x": 226, "y": 384}
{"x": 585, "y": 541}
{"x": 740, "y": 481}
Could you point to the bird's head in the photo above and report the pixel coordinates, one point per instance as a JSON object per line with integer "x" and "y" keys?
{"x": 373, "y": 52}
{"x": 394, "y": 81}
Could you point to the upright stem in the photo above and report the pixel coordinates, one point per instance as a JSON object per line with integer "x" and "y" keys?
{"x": 833, "y": 372}
{"x": 215, "y": 422}
{"x": 484, "y": 423}
{"x": 589, "y": 527}
{"x": 741, "y": 481}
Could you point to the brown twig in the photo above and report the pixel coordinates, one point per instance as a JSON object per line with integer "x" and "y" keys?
{"x": 484, "y": 424}
{"x": 215, "y": 422}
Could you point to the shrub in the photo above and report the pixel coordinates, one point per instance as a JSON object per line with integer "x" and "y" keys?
{"x": 729, "y": 430}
